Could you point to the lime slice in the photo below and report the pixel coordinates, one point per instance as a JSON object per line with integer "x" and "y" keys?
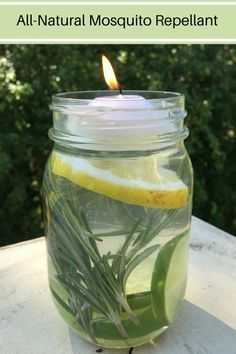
{"x": 133, "y": 181}
{"x": 141, "y": 306}
{"x": 169, "y": 278}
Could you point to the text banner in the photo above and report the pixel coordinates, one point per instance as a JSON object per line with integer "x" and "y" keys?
{"x": 80, "y": 23}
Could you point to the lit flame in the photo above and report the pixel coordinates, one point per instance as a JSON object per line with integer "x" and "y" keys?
{"x": 109, "y": 74}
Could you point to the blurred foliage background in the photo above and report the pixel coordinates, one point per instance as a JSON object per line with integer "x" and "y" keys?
{"x": 30, "y": 74}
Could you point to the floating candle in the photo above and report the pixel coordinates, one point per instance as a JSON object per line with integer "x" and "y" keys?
{"x": 118, "y": 101}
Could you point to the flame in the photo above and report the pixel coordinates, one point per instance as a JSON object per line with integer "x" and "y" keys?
{"x": 109, "y": 74}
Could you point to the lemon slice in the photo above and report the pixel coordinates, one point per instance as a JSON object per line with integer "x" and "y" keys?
{"x": 133, "y": 181}
{"x": 169, "y": 278}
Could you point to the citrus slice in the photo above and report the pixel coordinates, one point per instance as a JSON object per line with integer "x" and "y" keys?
{"x": 141, "y": 306}
{"x": 133, "y": 181}
{"x": 169, "y": 278}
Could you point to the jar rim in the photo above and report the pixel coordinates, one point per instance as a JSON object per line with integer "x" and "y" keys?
{"x": 94, "y": 119}
{"x": 82, "y": 97}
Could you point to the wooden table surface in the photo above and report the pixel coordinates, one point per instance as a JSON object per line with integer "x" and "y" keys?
{"x": 29, "y": 323}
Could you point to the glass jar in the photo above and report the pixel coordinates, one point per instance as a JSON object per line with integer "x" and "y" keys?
{"x": 118, "y": 197}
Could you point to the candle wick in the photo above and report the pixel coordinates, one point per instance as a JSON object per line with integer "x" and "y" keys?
{"x": 120, "y": 90}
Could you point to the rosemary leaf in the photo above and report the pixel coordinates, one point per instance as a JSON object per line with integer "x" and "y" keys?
{"x": 62, "y": 302}
{"x": 137, "y": 260}
{"x": 123, "y": 249}
{"x": 112, "y": 233}
{"x": 91, "y": 299}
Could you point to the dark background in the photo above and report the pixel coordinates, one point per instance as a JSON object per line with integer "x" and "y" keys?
{"x": 30, "y": 74}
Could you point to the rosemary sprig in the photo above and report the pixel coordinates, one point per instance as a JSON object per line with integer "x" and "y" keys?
{"x": 94, "y": 283}
{"x": 97, "y": 279}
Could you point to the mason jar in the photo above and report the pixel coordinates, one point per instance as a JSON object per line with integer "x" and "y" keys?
{"x": 118, "y": 197}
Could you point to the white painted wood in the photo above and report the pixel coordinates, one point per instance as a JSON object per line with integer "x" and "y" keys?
{"x": 29, "y": 323}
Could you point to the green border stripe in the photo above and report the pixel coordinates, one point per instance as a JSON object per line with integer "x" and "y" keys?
{"x": 109, "y": 1}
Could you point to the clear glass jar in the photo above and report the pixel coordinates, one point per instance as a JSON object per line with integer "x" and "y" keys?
{"x": 118, "y": 197}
